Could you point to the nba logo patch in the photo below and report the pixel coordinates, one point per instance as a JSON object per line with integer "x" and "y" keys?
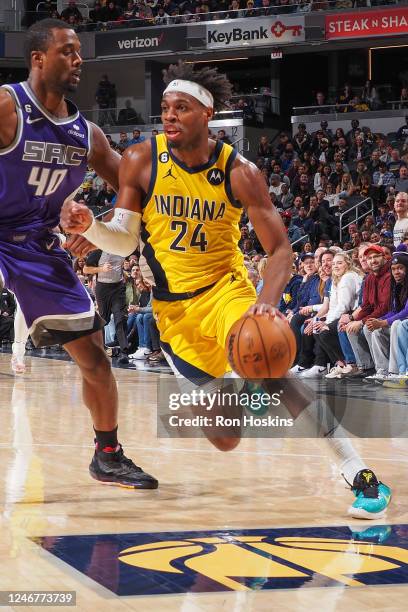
{"x": 164, "y": 157}
{"x": 215, "y": 176}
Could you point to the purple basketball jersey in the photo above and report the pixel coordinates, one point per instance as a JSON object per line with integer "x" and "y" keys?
{"x": 44, "y": 165}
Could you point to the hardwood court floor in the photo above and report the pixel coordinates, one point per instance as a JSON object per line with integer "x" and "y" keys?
{"x": 265, "y": 484}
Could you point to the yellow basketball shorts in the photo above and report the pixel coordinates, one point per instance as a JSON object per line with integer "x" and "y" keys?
{"x": 193, "y": 332}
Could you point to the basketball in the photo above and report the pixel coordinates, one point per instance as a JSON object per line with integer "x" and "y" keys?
{"x": 260, "y": 346}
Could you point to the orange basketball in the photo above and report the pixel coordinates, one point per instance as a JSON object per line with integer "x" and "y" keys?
{"x": 260, "y": 346}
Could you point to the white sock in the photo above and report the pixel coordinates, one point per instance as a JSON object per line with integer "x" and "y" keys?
{"x": 20, "y": 333}
{"x": 18, "y": 349}
{"x": 349, "y": 460}
{"x": 318, "y": 421}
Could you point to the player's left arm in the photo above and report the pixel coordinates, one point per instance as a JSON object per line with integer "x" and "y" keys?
{"x": 249, "y": 188}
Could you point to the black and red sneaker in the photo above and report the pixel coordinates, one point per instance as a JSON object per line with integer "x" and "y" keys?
{"x": 110, "y": 466}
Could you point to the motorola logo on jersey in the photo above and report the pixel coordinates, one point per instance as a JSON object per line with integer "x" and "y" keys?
{"x": 52, "y": 152}
{"x": 164, "y": 157}
{"x": 215, "y": 176}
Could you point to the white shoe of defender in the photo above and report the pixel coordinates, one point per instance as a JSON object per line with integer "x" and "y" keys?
{"x": 18, "y": 365}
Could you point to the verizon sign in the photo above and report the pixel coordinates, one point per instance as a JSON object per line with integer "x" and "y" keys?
{"x": 274, "y": 31}
{"x": 140, "y": 40}
{"x": 386, "y": 22}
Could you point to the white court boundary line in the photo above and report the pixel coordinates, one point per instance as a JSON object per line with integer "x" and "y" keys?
{"x": 196, "y": 450}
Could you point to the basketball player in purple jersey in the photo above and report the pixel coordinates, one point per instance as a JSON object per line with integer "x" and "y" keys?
{"x": 45, "y": 146}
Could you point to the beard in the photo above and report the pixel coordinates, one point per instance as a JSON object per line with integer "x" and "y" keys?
{"x": 63, "y": 87}
{"x": 70, "y": 88}
{"x": 173, "y": 145}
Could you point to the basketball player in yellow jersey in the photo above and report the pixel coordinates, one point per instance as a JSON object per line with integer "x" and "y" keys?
{"x": 185, "y": 193}
{"x": 190, "y": 191}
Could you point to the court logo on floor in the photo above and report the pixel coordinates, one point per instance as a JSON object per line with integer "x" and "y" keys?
{"x": 204, "y": 561}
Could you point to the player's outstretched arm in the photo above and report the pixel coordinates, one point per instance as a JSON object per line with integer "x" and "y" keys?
{"x": 120, "y": 235}
{"x": 249, "y": 187}
{"x": 105, "y": 161}
{"x": 76, "y": 218}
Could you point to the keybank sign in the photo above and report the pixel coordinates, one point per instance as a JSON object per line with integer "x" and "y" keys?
{"x": 140, "y": 40}
{"x": 274, "y": 30}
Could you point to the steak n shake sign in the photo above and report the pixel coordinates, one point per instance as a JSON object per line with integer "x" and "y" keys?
{"x": 265, "y": 31}
{"x": 385, "y": 22}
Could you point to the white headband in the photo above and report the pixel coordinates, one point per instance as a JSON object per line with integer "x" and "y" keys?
{"x": 193, "y": 89}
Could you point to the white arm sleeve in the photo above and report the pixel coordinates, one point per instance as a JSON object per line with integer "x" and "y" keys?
{"x": 120, "y": 236}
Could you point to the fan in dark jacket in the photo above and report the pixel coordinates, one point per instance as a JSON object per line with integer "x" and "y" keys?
{"x": 290, "y": 292}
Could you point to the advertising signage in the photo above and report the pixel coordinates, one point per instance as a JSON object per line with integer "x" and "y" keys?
{"x": 384, "y": 22}
{"x": 265, "y": 31}
{"x": 140, "y": 40}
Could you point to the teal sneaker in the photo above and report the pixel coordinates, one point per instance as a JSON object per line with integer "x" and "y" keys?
{"x": 255, "y": 389}
{"x": 372, "y": 496}
{"x": 378, "y": 533}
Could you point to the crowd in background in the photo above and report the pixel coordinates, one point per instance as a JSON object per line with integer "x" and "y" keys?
{"x": 315, "y": 180}
{"x": 106, "y": 14}
{"x": 347, "y": 298}
{"x": 360, "y": 99}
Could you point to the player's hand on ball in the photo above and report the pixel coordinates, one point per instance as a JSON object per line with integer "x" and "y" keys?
{"x": 79, "y": 246}
{"x": 261, "y": 344}
{"x": 75, "y": 218}
{"x": 261, "y": 308}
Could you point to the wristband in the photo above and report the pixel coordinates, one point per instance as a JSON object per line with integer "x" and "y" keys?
{"x": 120, "y": 236}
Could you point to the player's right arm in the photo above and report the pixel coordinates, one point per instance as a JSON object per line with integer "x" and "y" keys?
{"x": 8, "y": 118}
{"x": 249, "y": 187}
{"x": 120, "y": 236}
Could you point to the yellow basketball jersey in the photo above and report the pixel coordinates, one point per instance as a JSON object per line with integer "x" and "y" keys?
{"x": 190, "y": 222}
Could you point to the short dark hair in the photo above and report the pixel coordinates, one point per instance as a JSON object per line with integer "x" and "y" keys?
{"x": 217, "y": 84}
{"x": 39, "y": 36}
{"x": 326, "y": 252}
